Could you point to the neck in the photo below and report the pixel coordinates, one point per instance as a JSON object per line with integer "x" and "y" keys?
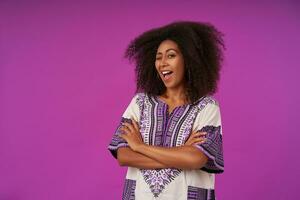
{"x": 176, "y": 94}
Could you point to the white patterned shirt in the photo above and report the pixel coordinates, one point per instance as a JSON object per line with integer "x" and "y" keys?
{"x": 160, "y": 128}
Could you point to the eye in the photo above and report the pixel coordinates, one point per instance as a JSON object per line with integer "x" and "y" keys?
{"x": 171, "y": 55}
{"x": 157, "y": 58}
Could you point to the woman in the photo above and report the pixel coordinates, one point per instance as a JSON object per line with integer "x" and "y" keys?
{"x": 170, "y": 135}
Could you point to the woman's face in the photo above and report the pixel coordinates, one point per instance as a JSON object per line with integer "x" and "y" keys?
{"x": 169, "y": 64}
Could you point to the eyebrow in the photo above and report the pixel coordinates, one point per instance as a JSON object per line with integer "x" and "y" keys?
{"x": 168, "y": 50}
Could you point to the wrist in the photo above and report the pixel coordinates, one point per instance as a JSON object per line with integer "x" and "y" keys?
{"x": 139, "y": 148}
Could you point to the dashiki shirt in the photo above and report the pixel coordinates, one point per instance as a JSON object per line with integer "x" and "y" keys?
{"x": 160, "y": 128}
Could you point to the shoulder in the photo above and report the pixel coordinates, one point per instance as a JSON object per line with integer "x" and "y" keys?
{"x": 208, "y": 102}
{"x": 139, "y": 97}
{"x": 209, "y": 112}
{"x": 138, "y": 100}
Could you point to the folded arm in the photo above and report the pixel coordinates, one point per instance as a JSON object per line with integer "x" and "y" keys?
{"x": 181, "y": 157}
{"x": 128, "y": 157}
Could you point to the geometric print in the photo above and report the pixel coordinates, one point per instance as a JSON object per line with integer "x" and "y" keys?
{"x": 160, "y": 128}
{"x": 117, "y": 141}
{"x": 157, "y": 179}
{"x": 196, "y": 193}
{"x": 213, "y": 149}
{"x": 129, "y": 190}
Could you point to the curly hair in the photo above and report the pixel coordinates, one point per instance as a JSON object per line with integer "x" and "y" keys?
{"x": 201, "y": 45}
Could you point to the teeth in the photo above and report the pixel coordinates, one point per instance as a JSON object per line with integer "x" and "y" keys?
{"x": 165, "y": 72}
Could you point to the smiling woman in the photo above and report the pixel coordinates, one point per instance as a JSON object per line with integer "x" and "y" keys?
{"x": 170, "y": 135}
{"x": 169, "y": 64}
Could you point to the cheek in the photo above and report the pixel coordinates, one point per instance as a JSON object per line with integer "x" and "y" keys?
{"x": 156, "y": 65}
{"x": 180, "y": 68}
{"x": 182, "y": 73}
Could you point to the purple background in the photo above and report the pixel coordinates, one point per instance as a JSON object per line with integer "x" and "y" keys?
{"x": 64, "y": 86}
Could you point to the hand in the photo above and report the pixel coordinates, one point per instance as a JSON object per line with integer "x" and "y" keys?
{"x": 131, "y": 134}
{"x": 196, "y": 138}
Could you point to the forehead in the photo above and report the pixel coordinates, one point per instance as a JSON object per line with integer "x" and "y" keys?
{"x": 167, "y": 44}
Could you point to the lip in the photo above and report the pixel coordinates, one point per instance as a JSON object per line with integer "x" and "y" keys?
{"x": 168, "y": 77}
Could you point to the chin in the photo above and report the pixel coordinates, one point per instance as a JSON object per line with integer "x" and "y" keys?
{"x": 169, "y": 86}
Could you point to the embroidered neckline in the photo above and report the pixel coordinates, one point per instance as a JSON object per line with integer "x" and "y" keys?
{"x": 158, "y": 99}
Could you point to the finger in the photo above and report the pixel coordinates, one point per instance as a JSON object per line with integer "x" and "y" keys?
{"x": 135, "y": 124}
{"x": 123, "y": 136}
{"x": 196, "y": 135}
{"x": 200, "y": 141}
{"x": 194, "y": 132}
{"x": 191, "y": 137}
{"x": 128, "y": 126}
{"x": 199, "y": 134}
{"x": 125, "y": 130}
{"x": 202, "y": 133}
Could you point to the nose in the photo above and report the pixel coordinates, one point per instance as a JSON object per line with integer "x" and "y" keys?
{"x": 163, "y": 61}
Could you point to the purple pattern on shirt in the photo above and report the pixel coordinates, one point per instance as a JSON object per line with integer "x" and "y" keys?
{"x": 213, "y": 149}
{"x": 157, "y": 179}
{"x": 196, "y": 193}
{"x": 117, "y": 141}
{"x": 129, "y": 190}
{"x": 160, "y": 128}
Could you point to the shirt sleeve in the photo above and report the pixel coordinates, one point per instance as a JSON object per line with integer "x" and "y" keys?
{"x": 131, "y": 112}
{"x": 209, "y": 120}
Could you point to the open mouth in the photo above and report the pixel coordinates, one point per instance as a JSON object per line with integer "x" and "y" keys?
{"x": 166, "y": 74}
